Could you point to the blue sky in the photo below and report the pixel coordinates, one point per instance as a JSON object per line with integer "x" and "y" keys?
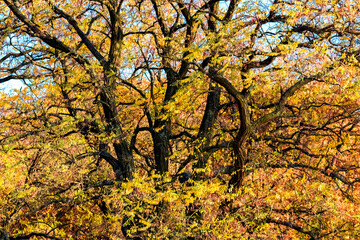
{"x": 11, "y": 85}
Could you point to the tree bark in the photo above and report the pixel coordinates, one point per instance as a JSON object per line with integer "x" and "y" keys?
{"x": 209, "y": 117}
{"x": 161, "y": 134}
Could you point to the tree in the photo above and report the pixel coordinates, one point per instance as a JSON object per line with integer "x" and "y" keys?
{"x": 259, "y": 100}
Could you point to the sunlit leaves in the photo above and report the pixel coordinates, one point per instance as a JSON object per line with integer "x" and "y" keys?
{"x": 177, "y": 83}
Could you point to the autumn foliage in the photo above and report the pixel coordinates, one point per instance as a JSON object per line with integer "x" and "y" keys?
{"x": 176, "y": 119}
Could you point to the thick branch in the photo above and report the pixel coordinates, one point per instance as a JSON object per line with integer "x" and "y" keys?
{"x": 81, "y": 34}
{"x": 293, "y": 226}
{"x": 44, "y": 36}
{"x": 279, "y": 108}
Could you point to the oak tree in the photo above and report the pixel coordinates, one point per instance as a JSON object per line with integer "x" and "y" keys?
{"x": 259, "y": 100}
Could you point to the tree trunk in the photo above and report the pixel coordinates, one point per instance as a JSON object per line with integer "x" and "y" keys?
{"x": 210, "y": 114}
{"x": 123, "y": 165}
{"x": 161, "y": 147}
{"x": 161, "y": 134}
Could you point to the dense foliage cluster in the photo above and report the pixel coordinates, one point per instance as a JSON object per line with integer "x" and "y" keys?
{"x": 180, "y": 119}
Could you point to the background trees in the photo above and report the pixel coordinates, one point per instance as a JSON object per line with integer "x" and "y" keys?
{"x": 259, "y": 100}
